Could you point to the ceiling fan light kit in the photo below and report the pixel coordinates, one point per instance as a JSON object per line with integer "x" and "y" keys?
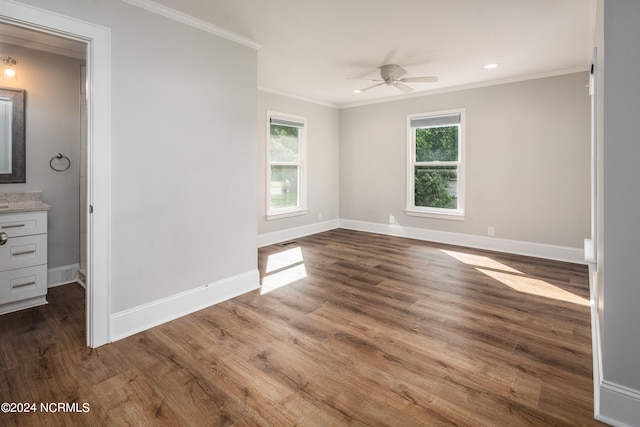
{"x": 391, "y": 75}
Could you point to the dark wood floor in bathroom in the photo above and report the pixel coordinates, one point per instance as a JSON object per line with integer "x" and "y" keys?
{"x": 376, "y": 331}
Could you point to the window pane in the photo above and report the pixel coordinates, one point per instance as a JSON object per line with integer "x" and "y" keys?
{"x": 436, "y": 186}
{"x": 437, "y": 144}
{"x": 284, "y": 186}
{"x": 284, "y": 143}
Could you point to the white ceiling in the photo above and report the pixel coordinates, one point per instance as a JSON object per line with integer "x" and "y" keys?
{"x": 314, "y": 48}
{"x": 309, "y": 48}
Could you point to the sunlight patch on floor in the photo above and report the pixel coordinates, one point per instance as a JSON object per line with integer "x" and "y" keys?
{"x": 283, "y": 269}
{"x": 480, "y": 261}
{"x": 533, "y": 286}
{"x": 516, "y": 279}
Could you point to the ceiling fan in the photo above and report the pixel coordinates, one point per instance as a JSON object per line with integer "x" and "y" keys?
{"x": 391, "y": 75}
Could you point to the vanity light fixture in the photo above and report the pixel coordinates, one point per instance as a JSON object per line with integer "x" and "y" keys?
{"x": 9, "y": 66}
{"x": 490, "y": 66}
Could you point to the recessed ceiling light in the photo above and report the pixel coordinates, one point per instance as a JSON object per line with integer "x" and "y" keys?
{"x": 490, "y": 66}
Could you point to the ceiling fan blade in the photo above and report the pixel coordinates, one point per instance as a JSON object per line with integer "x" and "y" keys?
{"x": 419, "y": 79}
{"x": 402, "y": 87}
{"x": 369, "y": 87}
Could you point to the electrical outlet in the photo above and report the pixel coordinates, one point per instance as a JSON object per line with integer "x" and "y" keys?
{"x": 320, "y": 216}
{"x": 491, "y": 231}
{"x": 392, "y": 219}
{"x": 66, "y": 275}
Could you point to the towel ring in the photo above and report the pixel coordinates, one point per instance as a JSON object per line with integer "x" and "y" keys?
{"x": 59, "y": 156}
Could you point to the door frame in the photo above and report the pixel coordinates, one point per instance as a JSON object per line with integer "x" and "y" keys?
{"x": 98, "y": 58}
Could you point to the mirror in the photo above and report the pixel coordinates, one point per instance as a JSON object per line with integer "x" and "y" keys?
{"x": 12, "y": 148}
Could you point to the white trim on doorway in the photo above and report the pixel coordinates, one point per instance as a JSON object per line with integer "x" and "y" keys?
{"x": 98, "y": 41}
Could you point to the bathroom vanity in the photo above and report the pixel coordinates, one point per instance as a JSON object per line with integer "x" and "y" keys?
{"x": 23, "y": 251}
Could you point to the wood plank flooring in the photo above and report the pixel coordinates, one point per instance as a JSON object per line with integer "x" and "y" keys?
{"x": 372, "y": 331}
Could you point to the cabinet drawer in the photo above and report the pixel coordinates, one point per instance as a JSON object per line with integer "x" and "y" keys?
{"x": 26, "y": 251}
{"x": 24, "y": 224}
{"x": 23, "y": 283}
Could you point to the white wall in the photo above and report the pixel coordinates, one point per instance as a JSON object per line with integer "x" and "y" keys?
{"x": 322, "y": 168}
{"x": 619, "y": 231}
{"x": 528, "y": 159}
{"x": 621, "y": 228}
{"x": 183, "y": 160}
{"x": 52, "y": 118}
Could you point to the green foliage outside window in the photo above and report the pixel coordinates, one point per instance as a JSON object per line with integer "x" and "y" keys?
{"x": 284, "y": 143}
{"x": 284, "y": 186}
{"x": 284, "y": 150}
{"x": 435, "y": 186}
{"x": 438, "y": 144}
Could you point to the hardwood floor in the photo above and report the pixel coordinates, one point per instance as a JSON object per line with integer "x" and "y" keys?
{"x": 373, "y": 330}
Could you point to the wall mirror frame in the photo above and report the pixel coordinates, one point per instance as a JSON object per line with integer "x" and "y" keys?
{"x": 12, "y": 141}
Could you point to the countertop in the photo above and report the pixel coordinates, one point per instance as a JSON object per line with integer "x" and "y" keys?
{"x": 22, "y": 202}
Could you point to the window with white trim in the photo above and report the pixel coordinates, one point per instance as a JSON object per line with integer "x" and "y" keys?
{"x": 435, "y": 174}
{"x": 286, "y": 158}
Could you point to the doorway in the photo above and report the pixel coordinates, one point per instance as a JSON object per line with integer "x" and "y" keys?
{"x": 96, "y": 40}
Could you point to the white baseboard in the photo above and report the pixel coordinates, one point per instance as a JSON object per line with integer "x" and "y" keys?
{"x": 538, "y": 250}
{"x": 146, "y": 316}
{"x": 62, "y": 275}
{"x": 619, "y": 406}
{"x": 613, "y": 404}
{"x": 267, "y": 239}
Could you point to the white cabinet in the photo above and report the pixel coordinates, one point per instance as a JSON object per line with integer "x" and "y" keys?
{"x": 23, "y": 260}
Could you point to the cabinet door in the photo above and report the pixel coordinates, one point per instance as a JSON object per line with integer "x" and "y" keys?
{"x": 20, "y": 252}
{"x": 24, "y": 224}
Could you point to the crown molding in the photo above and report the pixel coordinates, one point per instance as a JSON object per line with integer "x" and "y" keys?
{"x": 458, "y": 88}
{"x": 298, "y": 97}
{"x": 184, "y": 18}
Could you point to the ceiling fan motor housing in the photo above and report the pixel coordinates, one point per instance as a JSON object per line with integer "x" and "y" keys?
{"x": 391, "y": 75}
{"x": 391, "y": 72}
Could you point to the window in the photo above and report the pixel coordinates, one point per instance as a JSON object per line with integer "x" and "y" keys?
{"x": 286, "y": 183}
{"x": 435, "y": 186}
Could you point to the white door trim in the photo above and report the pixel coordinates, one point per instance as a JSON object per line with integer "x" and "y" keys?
{"x": 98, "y": 40}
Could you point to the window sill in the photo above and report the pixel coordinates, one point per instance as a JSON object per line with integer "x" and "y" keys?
{"x": 452, "y": 216}
{"x": 289, "y": 214}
